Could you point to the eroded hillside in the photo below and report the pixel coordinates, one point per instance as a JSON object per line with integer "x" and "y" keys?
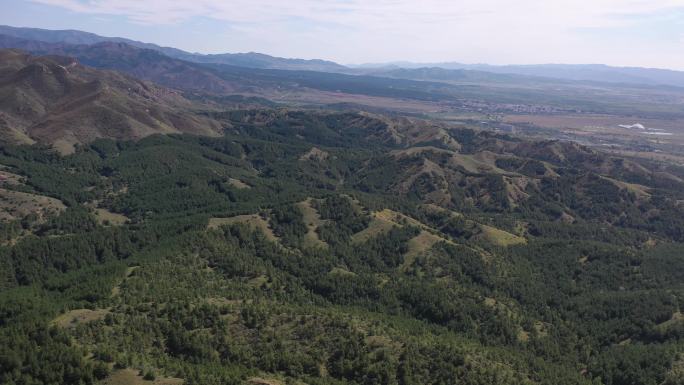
{"x": 56, "y": 101}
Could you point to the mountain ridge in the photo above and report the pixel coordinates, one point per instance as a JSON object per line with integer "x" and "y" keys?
{"x": 574, "y": 72}
{"x": 248, "y": 59}
{"x": 57, "y": 101}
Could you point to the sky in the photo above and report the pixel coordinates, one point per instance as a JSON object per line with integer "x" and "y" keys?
{"x": 645, "y": 33}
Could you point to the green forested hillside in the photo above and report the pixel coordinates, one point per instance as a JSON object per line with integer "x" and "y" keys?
{"x": 310, "y": 247}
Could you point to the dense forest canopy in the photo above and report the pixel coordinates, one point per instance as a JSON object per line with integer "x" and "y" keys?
{"x": 335, "y": 248}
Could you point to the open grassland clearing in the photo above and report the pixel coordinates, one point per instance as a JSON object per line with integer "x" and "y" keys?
{"x": 677, "y": 319}
{"x": 238, "y": 184}
{"x": 8, "y": 178}
{"x": 75, "y": 317}
{"x": 313, "y": 221}
{"x": 16, "y": 205}
{"x": 106, "y": 217}
{"x": 640, "y": 191}
{"x": 254, "y": 221}
{"x": 500, "y": 237}
{"x": 418, "y": 245}
{"x": 382, "y": 222}
{"x": 376, "y": 227}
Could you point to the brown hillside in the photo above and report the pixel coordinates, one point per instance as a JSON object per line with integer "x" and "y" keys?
{"x": 55, "y": 100}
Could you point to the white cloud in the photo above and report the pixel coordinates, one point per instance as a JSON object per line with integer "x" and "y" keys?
{"x": 359, "y": 30}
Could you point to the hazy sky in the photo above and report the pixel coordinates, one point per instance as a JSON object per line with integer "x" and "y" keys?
{"x": 618, "y": 32}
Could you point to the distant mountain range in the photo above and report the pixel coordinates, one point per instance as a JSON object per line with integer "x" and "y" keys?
{"x": 142, "y": 63}
{"x": 58, "y": 99}
{"x": 222, "y": 79}
{"x": 572, "y": 72}
{"x": 251, "y": 59}
{"x": 406, "y": 70}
